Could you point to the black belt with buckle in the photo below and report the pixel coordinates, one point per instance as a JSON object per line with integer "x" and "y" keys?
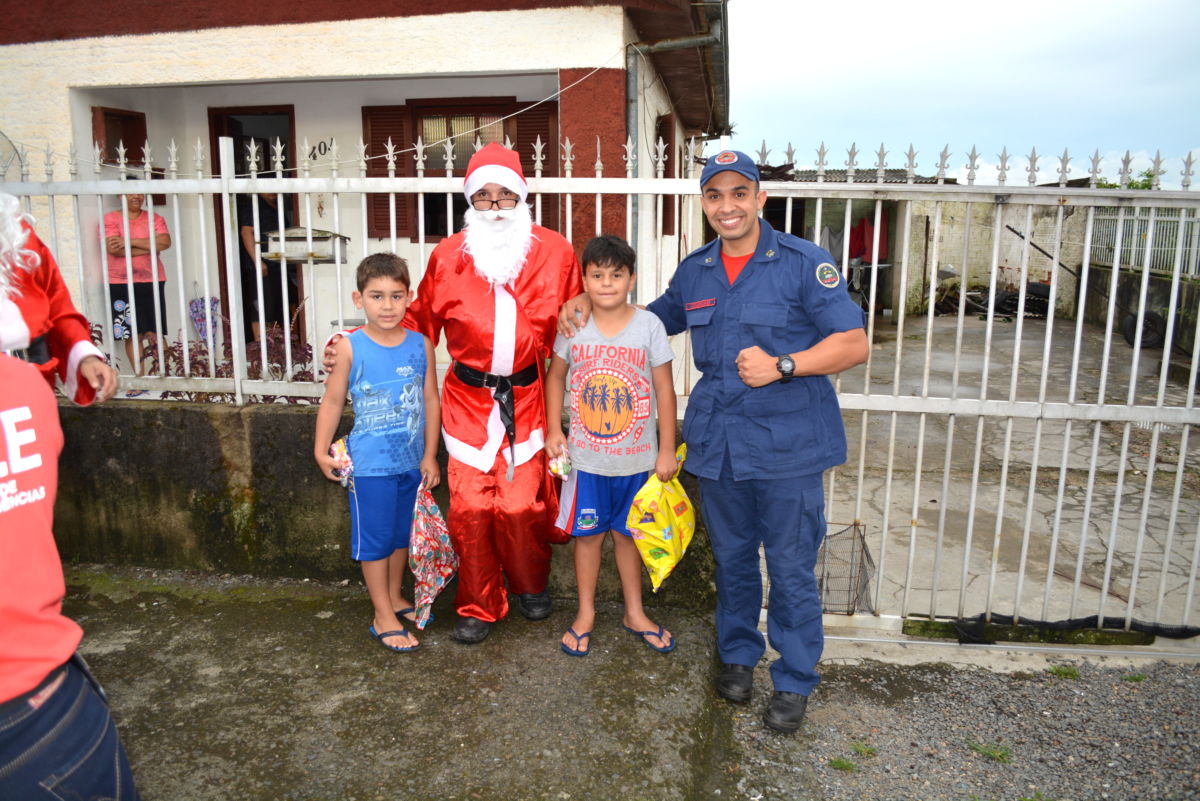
{"x": 36, "y": 352}
{"x": 503, "y": 386}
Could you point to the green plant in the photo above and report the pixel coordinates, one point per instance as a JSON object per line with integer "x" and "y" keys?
{"x": 1145, "y": 180}
{"x": 1063, "y": 671}
{"x": 1035, "y": 797}
{"x": 862, "y": 749}
{"x": 996, "y": 753}
{"x": 1134, "y": 677}
{"x": 838, "y": 763}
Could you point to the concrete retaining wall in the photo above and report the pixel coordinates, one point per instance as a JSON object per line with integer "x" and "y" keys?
{"x": 221, "y": 488}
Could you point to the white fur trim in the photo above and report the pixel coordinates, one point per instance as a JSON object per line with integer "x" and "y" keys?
{"x": 483, "y": 458}
{"x": 14, "y": 333}
{"x": 494, "y": 174}
{"x": 79, "y": 351}
{"x": 504, "y": 332}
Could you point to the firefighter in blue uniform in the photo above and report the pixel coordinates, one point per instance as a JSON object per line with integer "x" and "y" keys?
{"x": 770, "y": 320}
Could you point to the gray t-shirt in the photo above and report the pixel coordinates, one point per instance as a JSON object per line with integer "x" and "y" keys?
{"x": 610, "y": 395}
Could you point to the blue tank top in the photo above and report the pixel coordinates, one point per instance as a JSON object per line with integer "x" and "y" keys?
{"x": 387, "y": 389}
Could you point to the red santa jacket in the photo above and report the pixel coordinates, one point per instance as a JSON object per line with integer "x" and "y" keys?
{"x": 497, "y": 330}
{"x": 40, "y": 305}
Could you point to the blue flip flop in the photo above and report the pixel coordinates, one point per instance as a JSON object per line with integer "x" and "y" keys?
{"x": 400, "y": 632}
{"x": 663, "y": 649}
{"x": 412, "y": 610}
{"x": 579, "y": 638}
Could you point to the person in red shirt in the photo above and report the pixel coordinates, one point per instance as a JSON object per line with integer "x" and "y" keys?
{"x": 57, "y": 738}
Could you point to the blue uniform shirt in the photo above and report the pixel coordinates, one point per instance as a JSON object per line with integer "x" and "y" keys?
{"x": 788, "y": 297}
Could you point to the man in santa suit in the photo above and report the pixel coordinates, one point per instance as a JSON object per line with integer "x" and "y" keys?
{"x": 38, "y": 321}
{"x": 494, "y": 290}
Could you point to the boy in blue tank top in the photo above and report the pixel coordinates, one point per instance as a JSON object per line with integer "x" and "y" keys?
{"x": 389, "y": 374}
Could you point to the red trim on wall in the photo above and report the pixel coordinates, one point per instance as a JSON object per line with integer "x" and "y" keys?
{"x": 75, "y": 19}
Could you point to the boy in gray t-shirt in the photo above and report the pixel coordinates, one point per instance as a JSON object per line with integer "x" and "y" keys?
{"x": 618, "y": 371}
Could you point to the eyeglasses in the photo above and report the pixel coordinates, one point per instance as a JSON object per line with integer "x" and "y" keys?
{"x": 485, "y": 204}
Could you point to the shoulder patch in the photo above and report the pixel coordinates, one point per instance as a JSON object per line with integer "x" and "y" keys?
{"x": 828, "y": 276}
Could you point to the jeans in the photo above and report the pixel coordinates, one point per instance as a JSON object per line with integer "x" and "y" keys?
{"x": 68, "y": 748}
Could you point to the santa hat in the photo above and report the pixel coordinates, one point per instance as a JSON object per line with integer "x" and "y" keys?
{"x": 495, "y": 164}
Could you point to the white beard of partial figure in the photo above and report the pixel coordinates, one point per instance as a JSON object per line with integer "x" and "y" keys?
{"x": 498, "y": 241}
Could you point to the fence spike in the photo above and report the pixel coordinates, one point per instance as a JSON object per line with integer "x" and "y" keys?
{"x": 1002, "y": 167}
{"x": 790, "y": 153}
{"x": 448, "y": 155}
{"x": 910, "y": 166}
{"x": 1187, "y": 171}
{"x": 851, "y": 162}
{"x": 1094, "y": 172}
{"x": 333, "y": 156}
{"x": 121, "y": 161}
{"x": 362, "y": 157}
{"x": 1125, "y": 169}
{"x": 23, "y": 159}
{"x": 763, "y": 152}
{"x": 881, "y": 164}
{"x": 822, "y": 152}
{"x": 508, "y": 143}
{"x": 1156, "y": 170}
{"x": 96, "y": 164}
{"x": 1032, "y": 169}
{"x": 599, "y": 164}
{"x": 72, "y": 163}
{"x": 49, "y": 163}
{"x": 478, "y": 143}
{"x": 198, "y": 157}
{"x": 568, "y": 156}
{"x": 390, "y": 151}
{"x": 630, "y": 157}
{"x": 277, "y": 154}
{"x": 972, "y": 165}
{"x": 172, "y": 160}
{"x": 147, "y": 170}
{"x": 660, "y": 157}
{"x": 538, "y": 158}
{"x": 1064, "y": 168}
{"x": 943, "y": 163}
{"x": 305, "y": 162}
{"x": 419, "y": 155}
{"x": 252, "y": 156}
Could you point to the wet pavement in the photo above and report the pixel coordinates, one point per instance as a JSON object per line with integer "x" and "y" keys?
{"x": 238, "y": 687}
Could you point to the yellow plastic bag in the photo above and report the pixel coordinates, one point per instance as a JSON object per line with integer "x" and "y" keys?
{"x": 662, "y": 521}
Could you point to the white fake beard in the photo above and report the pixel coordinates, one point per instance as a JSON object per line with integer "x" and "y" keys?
{"x": 498, "y": 240}
{"x": 13, "y": 255}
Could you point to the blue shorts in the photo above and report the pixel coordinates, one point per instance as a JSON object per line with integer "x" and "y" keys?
{"x": 381, "y": 514}
{"x": 591, "y": 504}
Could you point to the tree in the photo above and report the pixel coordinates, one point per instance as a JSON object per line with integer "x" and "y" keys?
{"x": 1145, "y": 180}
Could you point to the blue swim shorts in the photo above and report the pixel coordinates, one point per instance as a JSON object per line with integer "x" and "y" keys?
{"x": 381, "y": 514}
{"x": 591, "y": 504}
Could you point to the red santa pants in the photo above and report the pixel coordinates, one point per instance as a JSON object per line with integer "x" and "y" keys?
{"x": 499, "y": 529}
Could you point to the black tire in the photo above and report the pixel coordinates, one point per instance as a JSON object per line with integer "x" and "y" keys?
{"x": 976, "y": 299}
{"x": 1154, "y": 329}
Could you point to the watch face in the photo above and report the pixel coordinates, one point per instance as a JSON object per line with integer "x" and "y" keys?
{"x": 786, "y": 365}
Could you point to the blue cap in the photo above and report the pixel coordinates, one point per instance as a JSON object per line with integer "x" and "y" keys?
{"x": 729, "y": 160}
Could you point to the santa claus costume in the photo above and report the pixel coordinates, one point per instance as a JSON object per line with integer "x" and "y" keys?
{"x": 494, "y": 290}
{"x": 38, "y": 321}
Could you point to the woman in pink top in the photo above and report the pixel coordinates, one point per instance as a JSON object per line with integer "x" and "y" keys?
{"x": 141, "y": 256}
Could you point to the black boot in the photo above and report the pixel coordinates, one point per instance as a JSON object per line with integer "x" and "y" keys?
{"x": 471, "y": 630}
{"x": 785, "y": 712}
{"x": 535, "y": 606}
{"x": 735, "y": 683}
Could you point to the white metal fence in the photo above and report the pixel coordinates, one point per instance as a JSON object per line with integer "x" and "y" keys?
{"x": 1009, "y": 459}
{"x": 1137, "y": 244}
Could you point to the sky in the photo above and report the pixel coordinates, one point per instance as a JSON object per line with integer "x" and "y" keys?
{"x": 1052, "y": 74}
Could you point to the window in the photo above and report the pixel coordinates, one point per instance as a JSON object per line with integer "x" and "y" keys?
{"x": 464, "y": 119}
{"x": 112, "y": 127}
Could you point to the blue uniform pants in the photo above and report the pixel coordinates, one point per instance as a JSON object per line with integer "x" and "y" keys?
{"x": 787, "y": 517}
{"x": 68, "y": 747}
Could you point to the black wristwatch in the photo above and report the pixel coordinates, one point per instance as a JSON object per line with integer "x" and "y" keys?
{"x": 786, "y": 367}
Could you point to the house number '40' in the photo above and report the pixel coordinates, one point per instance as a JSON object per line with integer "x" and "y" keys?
{"x": 320, "y": 149}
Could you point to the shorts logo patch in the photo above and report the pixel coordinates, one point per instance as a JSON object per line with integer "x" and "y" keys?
{"x": 828, "y": 276}
{"x": 726, "y": 157}
{"x": 700, "y": 304}
{"x": 586, "y": 520}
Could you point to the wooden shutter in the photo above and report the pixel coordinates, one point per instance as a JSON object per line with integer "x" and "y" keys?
{"x": 532, "y": 122}
{"x": 380, "y": 123}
